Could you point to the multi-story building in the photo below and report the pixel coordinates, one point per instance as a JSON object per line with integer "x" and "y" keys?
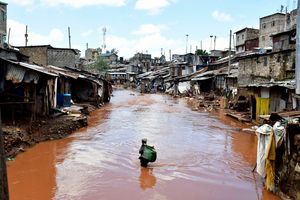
{"x": 3, "y": 22}
{"x": 246, "y": 39}
{"x": 269, "y": 25}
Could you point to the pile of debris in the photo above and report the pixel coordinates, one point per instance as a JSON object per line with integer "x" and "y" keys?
{"x": 207, "y": 102}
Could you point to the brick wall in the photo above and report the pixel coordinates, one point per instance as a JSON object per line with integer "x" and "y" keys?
{"x": 61, "y": 57}
{"x": 37, "y": 55}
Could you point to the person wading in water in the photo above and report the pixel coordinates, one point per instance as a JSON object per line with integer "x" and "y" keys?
{"x": 147, "y": 153}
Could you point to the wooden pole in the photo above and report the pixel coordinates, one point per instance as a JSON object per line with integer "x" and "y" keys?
{"x": 3, "y": 173}
{"x": 26, "y": 36}
{"x": 69, "y": 32}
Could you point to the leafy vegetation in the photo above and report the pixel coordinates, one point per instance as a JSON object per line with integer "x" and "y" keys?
{"x": 201, "y": 52}
{"x": 100, "y": 65}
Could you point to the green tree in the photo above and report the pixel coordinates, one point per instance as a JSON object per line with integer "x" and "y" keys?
{"x": 100, "y": 65}
{"x": 201, "y": 52}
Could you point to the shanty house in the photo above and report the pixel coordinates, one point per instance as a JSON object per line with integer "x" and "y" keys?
{"x": 26, "y": 90}
{"x": 268, "y": 80}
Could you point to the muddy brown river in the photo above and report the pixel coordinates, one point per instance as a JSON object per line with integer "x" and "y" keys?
{"x": 200, "y": 156}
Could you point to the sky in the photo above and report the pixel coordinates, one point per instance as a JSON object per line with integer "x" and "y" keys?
{"x": 147, "y": 26}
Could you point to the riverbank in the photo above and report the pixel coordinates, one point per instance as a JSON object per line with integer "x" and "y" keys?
{"x": 19, "y": 137}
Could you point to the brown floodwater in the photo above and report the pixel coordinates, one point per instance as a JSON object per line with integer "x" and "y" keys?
{"x": 200, "y": 156}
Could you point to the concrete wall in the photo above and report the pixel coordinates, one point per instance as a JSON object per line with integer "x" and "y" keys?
{"x": 37, "y": 55}
{"x": 61, "y": 57}
{"x": 270, "y": 25}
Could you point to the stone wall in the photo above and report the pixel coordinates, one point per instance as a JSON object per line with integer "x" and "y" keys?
{"x": 263, "y": 68}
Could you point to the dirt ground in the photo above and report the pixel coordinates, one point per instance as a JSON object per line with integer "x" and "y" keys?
{"x": 18, "y": 138}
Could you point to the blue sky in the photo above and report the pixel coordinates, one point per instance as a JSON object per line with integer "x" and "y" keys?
{"x": 135, "y": 25}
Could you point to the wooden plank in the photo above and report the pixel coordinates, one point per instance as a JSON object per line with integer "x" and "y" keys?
{"x": 238, "y": 117}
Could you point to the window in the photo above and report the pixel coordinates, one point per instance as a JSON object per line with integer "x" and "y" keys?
{"x": 238, "y": 38}
{"x": 242, "y": 36}
{"x": 265, "y": 61}
{"x": 3, "y": 15}
{"x": 263, "y": 38}
{"x": 273, "y": 23}
{"x": 278, "y": 58}
{"x": 263, "y": 26}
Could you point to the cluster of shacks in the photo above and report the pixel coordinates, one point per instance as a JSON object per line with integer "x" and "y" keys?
{"x": 38, "y": 80}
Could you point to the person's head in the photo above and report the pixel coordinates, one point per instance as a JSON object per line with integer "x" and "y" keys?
{"x": 144, "y": 141}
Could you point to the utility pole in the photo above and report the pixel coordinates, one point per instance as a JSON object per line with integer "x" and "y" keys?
{"x": 3, "y": 172}
{"x": 26, "y": 37}
{"x": 229, "y": 60}
{"x": 210, "y": 47}
{"x": 187, "y": 40}
{"x": 69, "y": 33}
{"x": 170, "y": 52}
{"x": 215, "y": 42}
{"x": 298, "y": 52}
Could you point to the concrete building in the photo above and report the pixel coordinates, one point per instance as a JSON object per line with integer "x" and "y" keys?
{"x": 92, "y": 54}
{"x": 47, "y": 55}
{"x": 291, "y": 20}
{"x": 3, "y": 23}
{"x": 269, "y": 25}
{"x": 244, "y": 38}
{"x": 111, "y": 58}
{"x": 143, "y": 61}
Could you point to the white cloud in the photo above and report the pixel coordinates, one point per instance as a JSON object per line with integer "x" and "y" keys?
{"x": 87, "y": 33}
{"x": 147, "y": 38}
{"x": 71, "y": 3}
{"x": 147, "y": 29}
{"x": 152, "y": 6}
{"x": 222, "y": 17}
{"x": 81, "y": 3}
{"x": 55, "y": 36}
{"x": 23, "y": 2}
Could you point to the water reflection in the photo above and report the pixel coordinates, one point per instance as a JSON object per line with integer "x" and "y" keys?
{"x": 147, "y": 178}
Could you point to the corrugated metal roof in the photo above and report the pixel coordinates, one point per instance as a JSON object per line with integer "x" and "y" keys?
{"x": 202, "y": 78}
{"x": 37, "y": 68}
{"x": 62, "y": 71}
